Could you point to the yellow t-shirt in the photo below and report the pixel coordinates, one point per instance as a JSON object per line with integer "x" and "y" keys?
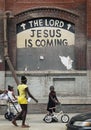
{"x": 22, "y": 94}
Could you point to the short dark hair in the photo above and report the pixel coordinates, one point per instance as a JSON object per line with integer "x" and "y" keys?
{"x": 23, "y": 79}
{"x": 51, "y": 87}
{"x": 10, "y": 87}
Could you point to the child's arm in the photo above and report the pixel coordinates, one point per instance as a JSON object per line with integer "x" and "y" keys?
{"x": 3, "y": 91}
{"x": 30, "y": 95}
{"x": 52, "y": 98}
{"x": 14, "y": 96}
{"x": 56, "y": 99}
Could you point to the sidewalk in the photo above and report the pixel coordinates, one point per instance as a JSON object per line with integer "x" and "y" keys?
{"x": 35, "y": 121}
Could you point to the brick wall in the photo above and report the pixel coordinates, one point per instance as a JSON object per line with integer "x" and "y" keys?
{"x": 88, "y": 19}
{"x": 79, "y": 7}
{"x": 1, "y": 42}
{"x": 28, "y": 4}
{"x": 2, "y": 5}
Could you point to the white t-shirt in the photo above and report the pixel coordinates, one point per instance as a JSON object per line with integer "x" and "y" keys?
{"x": 11, "y": 96}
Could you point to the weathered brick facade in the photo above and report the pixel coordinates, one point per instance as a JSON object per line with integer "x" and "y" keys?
{"x": 88, "y": 19}
{"x": 76, "y": 12}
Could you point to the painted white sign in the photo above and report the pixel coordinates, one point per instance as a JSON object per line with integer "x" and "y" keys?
{"x": 45, "y": 33}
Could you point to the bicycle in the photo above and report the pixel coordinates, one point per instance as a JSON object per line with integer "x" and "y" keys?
{"x": 54, "y": 117}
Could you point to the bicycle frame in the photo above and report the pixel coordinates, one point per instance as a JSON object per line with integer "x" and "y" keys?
{"x": 56, "y": 114}
{"x": 50, "y": 116}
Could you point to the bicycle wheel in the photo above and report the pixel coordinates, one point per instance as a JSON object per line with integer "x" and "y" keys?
{"x": 11, "y": 116}
{"x": 6, "y": 115}
{"x": 48, "y": 119}
{"x": 65, "y": 118}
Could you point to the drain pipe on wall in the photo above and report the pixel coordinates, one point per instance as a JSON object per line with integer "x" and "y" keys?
{"x": 7, "y": 15}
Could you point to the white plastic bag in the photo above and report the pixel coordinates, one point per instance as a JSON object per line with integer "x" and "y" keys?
{"x": 18, "y": 107}
{"x": 29, "y": 100}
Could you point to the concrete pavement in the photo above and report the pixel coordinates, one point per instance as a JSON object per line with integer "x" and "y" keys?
{"x": 35, "y": 121}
